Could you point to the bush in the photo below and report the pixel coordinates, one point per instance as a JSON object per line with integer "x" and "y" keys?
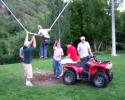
{"x": 8, "y": 59}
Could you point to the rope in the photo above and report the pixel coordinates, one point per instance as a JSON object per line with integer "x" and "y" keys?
{"x": 23, "y": 25}
{"x": 14, "y": 16}
{"x": 60, "y": 14}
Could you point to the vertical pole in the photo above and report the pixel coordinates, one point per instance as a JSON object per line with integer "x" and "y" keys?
{"x": 113, "y": 30}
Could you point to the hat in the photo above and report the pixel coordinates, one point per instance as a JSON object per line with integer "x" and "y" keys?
{"x": 26, "y": 43}
{"x": 82, "y": 38}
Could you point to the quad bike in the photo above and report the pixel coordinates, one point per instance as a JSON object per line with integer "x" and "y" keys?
{"x": 98, "y": 72}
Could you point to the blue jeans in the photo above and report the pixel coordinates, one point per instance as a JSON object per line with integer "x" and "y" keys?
{"x": 43, "y": 50}
{"x": 56, "y": 67}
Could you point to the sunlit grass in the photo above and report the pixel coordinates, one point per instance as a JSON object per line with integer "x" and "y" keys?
{"x": 12, "y": 85}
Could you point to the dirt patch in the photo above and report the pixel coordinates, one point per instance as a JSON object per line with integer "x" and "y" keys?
{"x": 46, "y": 78}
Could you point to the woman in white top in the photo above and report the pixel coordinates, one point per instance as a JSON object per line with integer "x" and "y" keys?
{"x": 44, "y": 41}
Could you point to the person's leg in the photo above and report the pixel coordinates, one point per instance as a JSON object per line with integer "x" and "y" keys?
{"x": 47, "y": 42}
{"x": 45, "y": 51}
{"x": 54, "y": 67}
{"x": 28, "y": 74}
{"x": 84, "y": 63}
{"x": 62, "y": 70}
{"x": 58, "y": 69}
{"x": 41, "y": 50}
{"x": 63, "y": 62}
{"x": 24, "y": 72}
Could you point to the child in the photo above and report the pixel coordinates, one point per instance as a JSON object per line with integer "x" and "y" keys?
{"x": 58, "y": 53}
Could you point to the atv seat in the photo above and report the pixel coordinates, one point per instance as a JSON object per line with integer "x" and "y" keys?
{"x": 81, "y": 64}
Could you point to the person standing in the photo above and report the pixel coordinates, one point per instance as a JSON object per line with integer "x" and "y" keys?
{"x": 26, "y": 54}
{"x": 57, "y": 55}
{"x": 84, "y": 49}
{"x": 45, "y": 40}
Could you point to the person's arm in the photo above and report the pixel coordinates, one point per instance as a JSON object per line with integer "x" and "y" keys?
{"x": 27, "y": 37}
{"x": 68, "y": 54}
{"x": 89, "y": 50}
{"x": 48, "y": 30}
{"x": 54, "y": 45}
{"x": 62, "y": 53}
{"x": 34, "y": 41}
{"x": 21, "y": 53}
{"x": 39, "y": 32}
{"x": 78, "y": 49}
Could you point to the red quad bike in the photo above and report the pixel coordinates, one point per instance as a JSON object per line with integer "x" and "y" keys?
{"x": 98, "y": 72}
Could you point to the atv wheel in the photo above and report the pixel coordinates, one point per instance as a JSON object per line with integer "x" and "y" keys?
{"x": 100, "y": 80}
{"x": 110, "y": 77}
{"x": 69, "y": 77}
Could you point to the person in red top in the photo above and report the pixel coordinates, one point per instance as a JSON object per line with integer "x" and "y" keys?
{"x": 72, "y": 57}
{"x": 72, "y": 53}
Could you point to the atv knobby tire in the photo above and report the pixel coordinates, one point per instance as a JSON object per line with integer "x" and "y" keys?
{"x": 69, "y": 77}
{"x": 100, "y": 80}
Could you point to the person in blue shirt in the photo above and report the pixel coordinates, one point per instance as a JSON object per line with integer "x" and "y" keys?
{"x": 26, "y": 56}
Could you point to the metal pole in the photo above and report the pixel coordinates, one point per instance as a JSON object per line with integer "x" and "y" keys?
{"x": 113, "y": 30}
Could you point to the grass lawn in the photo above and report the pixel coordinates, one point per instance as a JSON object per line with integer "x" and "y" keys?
{"x": 12, "y": 85}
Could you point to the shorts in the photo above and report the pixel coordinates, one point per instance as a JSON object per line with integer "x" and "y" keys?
{"x": 28, "y": 71}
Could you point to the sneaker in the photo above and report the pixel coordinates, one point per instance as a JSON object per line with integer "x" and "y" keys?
{"x": 28, "y": 83}
{"x": 61, "y": 75}
{"x": 41, "y": 56}
{"x": 58, "y": 77}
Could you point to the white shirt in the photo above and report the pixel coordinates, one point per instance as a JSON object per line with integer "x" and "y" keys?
{"x": 82, "y": 48}
{"x": 44, "y": 32}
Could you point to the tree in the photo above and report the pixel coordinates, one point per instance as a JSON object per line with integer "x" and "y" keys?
{"x": 91, "y": 18}
{"x": 62, "y": 26}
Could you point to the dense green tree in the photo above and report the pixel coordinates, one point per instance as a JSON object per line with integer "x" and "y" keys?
{"x": 91, "y": 18}
{"x": 62, "y": 26}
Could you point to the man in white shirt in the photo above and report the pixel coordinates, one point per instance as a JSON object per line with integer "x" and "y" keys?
{"x": 84, "y": 49}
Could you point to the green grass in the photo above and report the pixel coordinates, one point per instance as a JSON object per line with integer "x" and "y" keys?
{"x": 12, "y": 85}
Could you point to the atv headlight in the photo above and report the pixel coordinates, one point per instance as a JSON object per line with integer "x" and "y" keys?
{"x": 109, "y": 66}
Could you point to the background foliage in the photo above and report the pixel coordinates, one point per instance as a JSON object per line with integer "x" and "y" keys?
{"x": 91, "y": 18}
